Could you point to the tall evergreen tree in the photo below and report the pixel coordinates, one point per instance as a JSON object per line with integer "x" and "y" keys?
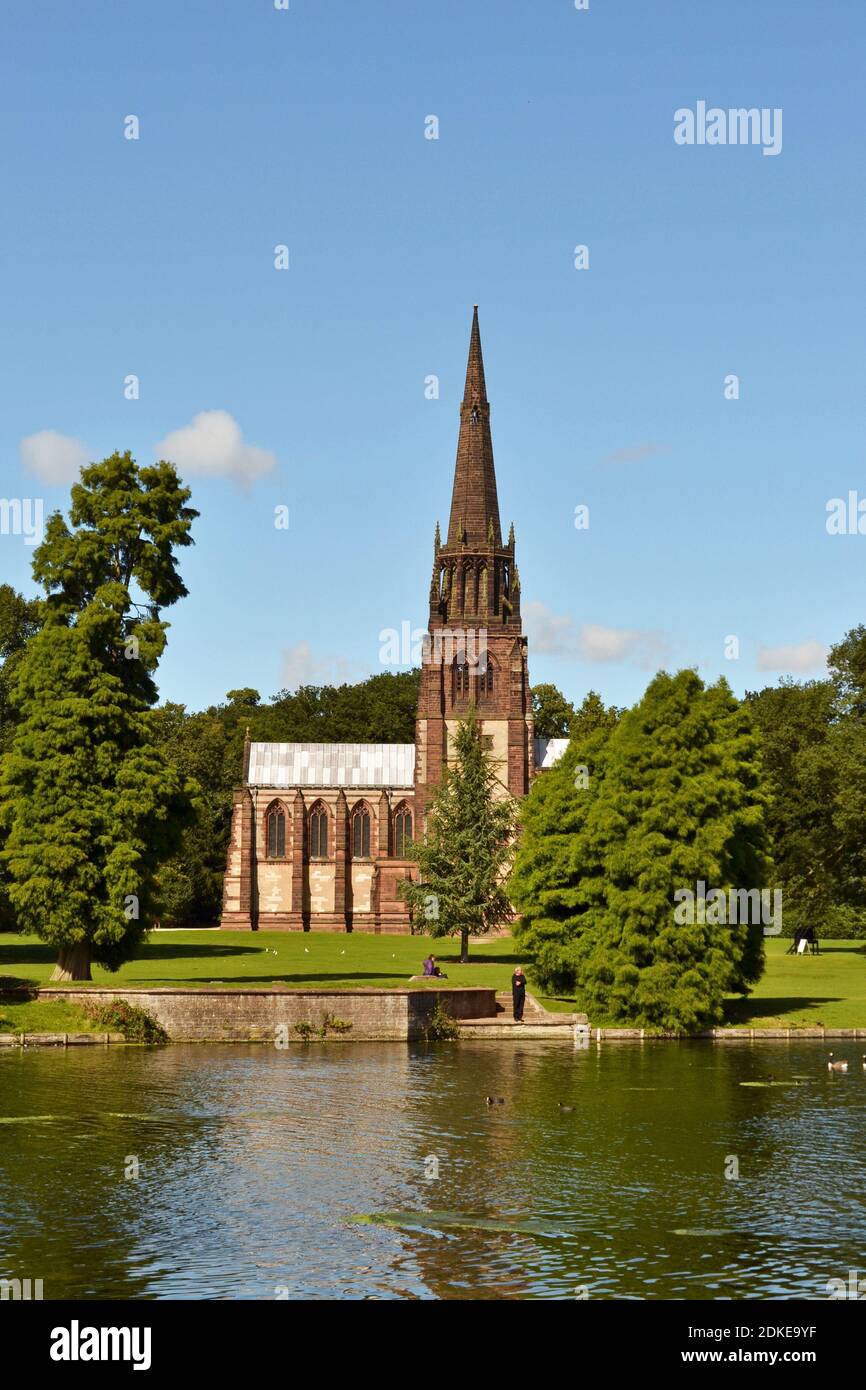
{"x": 90, "y": 804}
{"x": 19, "y": 620}
{"x": 465, "y": 853}
{"x": 669, "y": 797}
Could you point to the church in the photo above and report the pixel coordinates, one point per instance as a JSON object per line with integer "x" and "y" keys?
{"x": 321, "y": 831}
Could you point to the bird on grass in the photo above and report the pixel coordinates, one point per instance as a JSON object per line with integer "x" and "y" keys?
{"x": 836, "y": 1066}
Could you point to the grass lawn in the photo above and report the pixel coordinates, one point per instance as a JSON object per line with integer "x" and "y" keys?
{"x": 795, "y": 990}
{"x": 807, "y": 990}
{"x": 29, "y": 1016}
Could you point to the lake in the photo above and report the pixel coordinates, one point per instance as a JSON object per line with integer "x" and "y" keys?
{"x": 254, "y": 1164}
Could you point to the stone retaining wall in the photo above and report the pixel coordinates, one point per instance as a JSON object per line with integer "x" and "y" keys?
{"x": 254, "y": 1015}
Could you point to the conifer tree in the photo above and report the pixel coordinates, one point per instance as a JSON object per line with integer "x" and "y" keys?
{"x": 464, "y": 856}
{"x": 90, "y": 803}
{"x": 668, "y": 798}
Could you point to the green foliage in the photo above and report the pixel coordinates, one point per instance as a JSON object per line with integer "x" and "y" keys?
{"x": 89, "y": 802}
{"x": 551, "y": 712}
{"x": 592, "y": 715}
{"x": 441, "y": 1027}
{"x": 842, "y": 923}
{"x": 330, "y": 1023}
{"x": 673, "y": 796}
{"x": 556, "y": 717}
{"x": 467, "y": 848}
{"x": 19, "y": 620}
{"x": 136, "y": 1024}
{"x": 813, "y": 737}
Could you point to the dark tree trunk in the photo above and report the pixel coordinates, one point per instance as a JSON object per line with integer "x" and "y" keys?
{"x": 464, "y": 947}
{"x": 73, "y": 962}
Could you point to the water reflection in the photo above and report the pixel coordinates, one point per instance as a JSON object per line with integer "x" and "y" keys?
{"x": 253, "y": 1162}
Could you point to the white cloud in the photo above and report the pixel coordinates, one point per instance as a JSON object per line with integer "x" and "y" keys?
{"x": 53, "y": 457}
{"x": 803, "y": 656}
{"x": 212, "y": 446}
{"x": 636, "y": 453}
{"x": 547, "y": 631}
{"x": 557, "y": 635}
{"x": 301, "y": 667}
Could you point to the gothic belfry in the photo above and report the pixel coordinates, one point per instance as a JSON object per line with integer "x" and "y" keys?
{"x": 477, "y": 651}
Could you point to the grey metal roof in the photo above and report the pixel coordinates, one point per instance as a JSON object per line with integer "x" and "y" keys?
{"x": 332, "y": 764}
{"x": 548, "y": 751}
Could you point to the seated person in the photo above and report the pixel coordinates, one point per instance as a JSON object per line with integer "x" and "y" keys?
{"x": 431, "y": 968}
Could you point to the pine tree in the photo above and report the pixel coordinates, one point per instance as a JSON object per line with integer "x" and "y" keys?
{"x": 464, "y": 856}
{"x": 90, "y": 803}
{"x": 669, "y": 797}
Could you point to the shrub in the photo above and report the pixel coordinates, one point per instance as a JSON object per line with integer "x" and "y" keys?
{"x": 441, "y": 1027}
{"x": 134, "y": 1023}
{"x": 842, "y": 923}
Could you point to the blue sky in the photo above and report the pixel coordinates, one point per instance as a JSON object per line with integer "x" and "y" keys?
{"x": 259, "y": 128}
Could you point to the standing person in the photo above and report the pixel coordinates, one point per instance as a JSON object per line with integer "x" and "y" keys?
{"x": 518, "y": 993}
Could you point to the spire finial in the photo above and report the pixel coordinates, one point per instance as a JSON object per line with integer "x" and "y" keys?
{"x": 474, "y": 504}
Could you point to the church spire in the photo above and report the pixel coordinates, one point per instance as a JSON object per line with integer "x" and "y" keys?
{"x": 474, "y": 504}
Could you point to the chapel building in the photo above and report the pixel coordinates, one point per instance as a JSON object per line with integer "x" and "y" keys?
{"x": 320, "y": 831}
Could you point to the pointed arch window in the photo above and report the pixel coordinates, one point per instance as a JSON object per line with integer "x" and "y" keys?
{"x": 361, "y": 833}
{"x": 402, "y": 832}
{"x": 318, "y": 833}
{"x": 461, "y": 677}
{"x": 275, "y": 829}
{"x": 486, "y": 677}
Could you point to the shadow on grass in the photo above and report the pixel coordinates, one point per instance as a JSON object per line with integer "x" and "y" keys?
{"x": 153, "y": 950}
{"x": 743, "y": 1010}
{"x": 27, "y": 953}
{"x": 832, "y": 948}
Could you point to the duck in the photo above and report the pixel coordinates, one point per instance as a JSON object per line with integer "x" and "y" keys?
{"x": 494, "y": 1100}
{"x": 864, "y": 1061}
{"x": 836, "y": 1066}
{"x": 565, "y": 1107}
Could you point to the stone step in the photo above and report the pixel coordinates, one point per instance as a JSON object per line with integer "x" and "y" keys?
{"x": 504, "y": 1004}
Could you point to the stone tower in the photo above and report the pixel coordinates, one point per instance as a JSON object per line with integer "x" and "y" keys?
{"x": 477, "y": 651}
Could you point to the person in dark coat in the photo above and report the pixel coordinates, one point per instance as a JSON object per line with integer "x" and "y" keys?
{"x": 518, "y": 993}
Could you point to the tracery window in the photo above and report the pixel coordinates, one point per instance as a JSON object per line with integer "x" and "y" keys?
{"x": 402, "y": 832}
{"x": 361, "y": 833}
{"x": 318, "y": 833}
{"x": 275, "y": 823}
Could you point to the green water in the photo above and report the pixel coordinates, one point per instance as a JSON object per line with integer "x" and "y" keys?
{"x": 378, "y": 1171}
